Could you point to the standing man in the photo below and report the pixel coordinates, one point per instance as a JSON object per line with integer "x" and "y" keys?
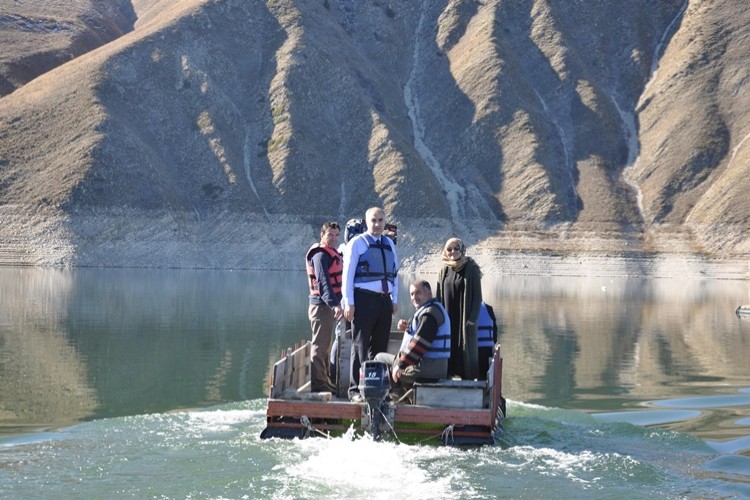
{"x": 426, "y": 346}
{"x": 324, "y": 271}
{"x": 370, "y": 291}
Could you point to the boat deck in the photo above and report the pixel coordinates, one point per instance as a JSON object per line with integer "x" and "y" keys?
{"x": 455, "y": 411}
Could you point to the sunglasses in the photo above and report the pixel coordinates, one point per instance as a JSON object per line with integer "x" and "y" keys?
{"x": 452, "y": 249}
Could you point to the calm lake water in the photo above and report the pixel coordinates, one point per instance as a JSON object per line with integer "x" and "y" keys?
{"x": 151, "y": 384}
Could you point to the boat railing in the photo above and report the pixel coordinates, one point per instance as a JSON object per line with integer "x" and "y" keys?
{"x": 292, "y": 372}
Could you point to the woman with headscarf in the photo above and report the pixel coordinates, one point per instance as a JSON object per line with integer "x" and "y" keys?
{"x": 459, "y": 288}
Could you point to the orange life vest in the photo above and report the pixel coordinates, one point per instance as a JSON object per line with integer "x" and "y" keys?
{"x": 335, "y": 270}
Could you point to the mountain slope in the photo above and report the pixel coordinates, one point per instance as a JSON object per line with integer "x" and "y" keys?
{"x": 216, "y": 126}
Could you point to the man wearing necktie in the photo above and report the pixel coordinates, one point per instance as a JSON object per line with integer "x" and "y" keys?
{"x": 370, "y": 290}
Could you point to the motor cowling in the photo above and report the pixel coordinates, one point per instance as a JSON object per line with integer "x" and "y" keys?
{"x": 374, "y": 380}
{"x": 374, "y": 386}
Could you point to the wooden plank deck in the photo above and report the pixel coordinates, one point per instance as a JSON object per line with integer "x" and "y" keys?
{"x": 460, "y": 407}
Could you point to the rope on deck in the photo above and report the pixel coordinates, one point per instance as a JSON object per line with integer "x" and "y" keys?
{"x": 447, "y": 433}
{"x": 304, "y": 420}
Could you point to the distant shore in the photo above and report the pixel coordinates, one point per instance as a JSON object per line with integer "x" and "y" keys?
{"x": 492, "y": 262}
{"x": 680, "y": 266}
{"x": 140, "y": 239}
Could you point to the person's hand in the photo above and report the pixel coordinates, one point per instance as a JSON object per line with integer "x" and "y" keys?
{"x": 402, "y": 324}
{"x": 395, "y": 308}
{"x": 338, "y": 313}
{"x": 349, "y": 313}
{"x": 396, "y": 373}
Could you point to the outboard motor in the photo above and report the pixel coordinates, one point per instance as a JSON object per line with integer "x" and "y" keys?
{"x": 374, "y": 386}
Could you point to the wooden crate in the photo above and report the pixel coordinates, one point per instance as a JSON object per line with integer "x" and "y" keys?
{"x": 451, "y": 394}
{"x": 292, "y": 373}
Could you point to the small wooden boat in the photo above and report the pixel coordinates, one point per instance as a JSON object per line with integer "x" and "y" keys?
{"x": 455, "y": 412}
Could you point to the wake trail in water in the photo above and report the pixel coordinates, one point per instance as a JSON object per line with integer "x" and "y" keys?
{"x": 217, "y": 452}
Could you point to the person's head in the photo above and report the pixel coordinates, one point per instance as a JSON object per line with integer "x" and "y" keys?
{"x": 420, "y": 292}
{"x": 375, "y": 220}
{"x": 329, "y": 234}
{"x": 454, "y": 249}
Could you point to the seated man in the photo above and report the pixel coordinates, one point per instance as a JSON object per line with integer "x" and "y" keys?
{"x": 426, "y": 345}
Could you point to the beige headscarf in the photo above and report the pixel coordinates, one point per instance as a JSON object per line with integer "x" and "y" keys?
{"x": 447, "y": 260}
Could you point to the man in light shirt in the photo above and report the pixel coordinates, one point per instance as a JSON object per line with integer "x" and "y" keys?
{"x": 370, "y": 290}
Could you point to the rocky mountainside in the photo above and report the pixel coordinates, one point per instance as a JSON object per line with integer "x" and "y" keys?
{"x": 199, "y": 133}
{"x": 39, "y": 35}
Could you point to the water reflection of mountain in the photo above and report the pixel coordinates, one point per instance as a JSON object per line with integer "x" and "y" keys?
{"x": 89, "y": 343}
{"x": 171, "y": 339}
{"x": 43, "y": 377}
{"x": 565, "y": 335}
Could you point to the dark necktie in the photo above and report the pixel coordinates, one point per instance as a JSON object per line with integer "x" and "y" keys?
{"x": 383, "y": 282}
